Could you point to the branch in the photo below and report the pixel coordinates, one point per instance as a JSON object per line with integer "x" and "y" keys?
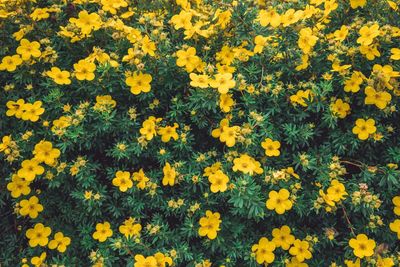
{"x": 351, "y": 227}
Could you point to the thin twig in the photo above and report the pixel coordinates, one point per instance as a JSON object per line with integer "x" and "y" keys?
{"x": 360, "y": 165}
{"x": 351, "y": 227}
{"x": 351, "y": 163}
{"x": 262, "y": 76}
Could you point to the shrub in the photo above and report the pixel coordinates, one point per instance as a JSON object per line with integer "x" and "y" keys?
{"x": 199, "y": 133}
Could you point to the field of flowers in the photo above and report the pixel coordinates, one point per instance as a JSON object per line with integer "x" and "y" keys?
{"x": 199, "y": 133}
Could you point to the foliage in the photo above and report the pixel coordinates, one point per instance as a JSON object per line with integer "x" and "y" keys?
{"x": 199, "y": 133}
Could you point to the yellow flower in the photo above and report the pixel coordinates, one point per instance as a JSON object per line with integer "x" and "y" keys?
{"x": 28, "y": 49}
{"x": 60, "y": 242}
{"x": 5, "y": 145}
{"x": 291, "y": 16}
{"x": 364, "y": 128}
{"x": 40, "y": 14}
{"x": 294, "y": 262}
{"x": 223, "y": 18}
{"x": 362, "y": 246}
{"x": 304, "y": 63}
{"x": 32, "y": 111}
{"x": 88, "y": 195}
{"x": 169, "y": 175}
{"x": 395, "y": 53}
{"x": 396, "y": 203}
{"x": 270, "y": 17}
{"x": 357, "y": 3}
{"x": 300, "y": 250}
{"x": 149, "y": 127}
{"x": 353, "y": 84}
{"x": 307, "y": 40}
{"x": 271, "y": 147}
{"x": 377, "y": 136}
{"x": 300, "y": 97}
{"x": 38, "y": 235}
{"x": 340, "y": 108}
{"x": 113, "y": 5}
{"x": 337, "y": 191}
{"x": 219, "y": 181}
{"x": 225, "y": 68}
{"x": 38, "y": 261}
{"x": 260, "y": 42}
{"x": 212, "y": 169}
{"x": 392, "y": 5}
{"x": 341, "y": 34}
{"x": 10, "y": 63}
{"x": 282, "y": 237}
{"x": 15, "y": 108}
{"x": 74, "y": 170}
{"x": 217, "y": 132}
{"x": 44, "y": 152}
{"x": 198, "y": 80}
{"x": 279, "y": 201}
{"x": 130, "y": 228}
{"x": 339, "y": 68}
{"x": 84, "y": 70}
{"x": 209, "y": 225}
{"x": 384, "y": 74}
{"x": 350, "y": 263}
{"x": 247, "y": 165}
{"x": 367, "y": 34}
{"x": 384, "y": 262}
{"x": 182, "y": 20}
{"x": 188, "y": 59}
{"x": 87, "y": 22}
{"x": 226, "y": 55}
{"x": 162, "y": 260}
{"x": 378, "y": 98}
{"x": 327, "y": 198}
{"x": 141, "y": 261}
{"x": 141, "y": 178}
{"x": 168, "y": 132}
{"x": 370, "y": 52}
{"x": 223, "y": 82}
{"x": 104, "y": 103}
{"x": 395, "y": 227}
{"x": 290, "y": 171}
{"x": 103, "y": 231}
{"x": 148, "y": 46}
{"x": 30, "y": 207}
{"x": 29, "y": 169}
{"x": 122, "y": 180}
{"x": 18, "y": 186}
{"x": 228, "y": 135}
{"x": 139, "y": 82}
{"x": 389, "y": 165}
{"x": 226, "y": 102}
{"x": 59, "y": 77}
{"x": 264, "y": 251}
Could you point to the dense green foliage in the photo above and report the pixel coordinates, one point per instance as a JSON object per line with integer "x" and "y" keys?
{"x": 266, "y": 113}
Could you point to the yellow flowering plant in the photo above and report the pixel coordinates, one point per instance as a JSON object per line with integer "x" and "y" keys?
{"x": 199, "y": 133}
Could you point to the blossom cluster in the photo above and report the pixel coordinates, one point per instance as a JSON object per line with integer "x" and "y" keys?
{"x": 200, "y": 133}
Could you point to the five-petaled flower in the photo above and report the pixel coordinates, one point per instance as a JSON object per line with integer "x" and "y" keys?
{"x": 362, "y": 246}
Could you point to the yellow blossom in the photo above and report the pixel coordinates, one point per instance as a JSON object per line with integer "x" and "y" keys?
{"x": 364, "y": 128}
{"x": 139, "y": 82}
{"x": 169, "y": 175}
{"x": 59, "y": 76}
{"x": 210, "y": 224}
{"x": 28, "y": 49}
{"x": 279, "y": 201}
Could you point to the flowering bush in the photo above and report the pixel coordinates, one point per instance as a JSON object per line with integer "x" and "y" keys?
{"x": 200, "y": 133}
